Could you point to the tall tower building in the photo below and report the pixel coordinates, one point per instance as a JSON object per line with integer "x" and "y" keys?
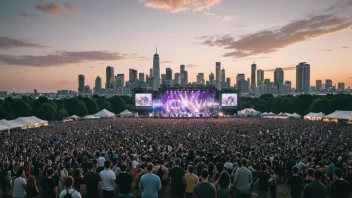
{"x": 200, "y": 79}
{"x": 182, "y": 68}
{"x": 151, "y": 73}
{"x": 168, "y": 74}
{"x": 223, "y": 78}
{"x": 97, "y": 85}
{"x": 318, "y": 85}
{"x": 110, "y": 78}
{"x": 132, "y": 75}
{"x": 303, "y": 77}
{"x": 177, "y": 79}
{"x": 120, "y": 80}
{"x": 239, "y": 78}
{"x": 81, "y": 84}
{"x": 211, "y": 78}
{"x": 328, "y": 84}
{"x": 341, "y": 86}
{"x": 260, "y": 77}
{"x": 253, "y": 70}
{"x": 279, "y": 79}
{"x": 228, "y": 82}
{"x": 141, "y": 76}
{"x": 218, "y": 75}
{"x": 289, "y": 85}
{"x": 156, "y": 70}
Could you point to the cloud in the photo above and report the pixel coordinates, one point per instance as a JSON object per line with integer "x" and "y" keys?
{"x": 165, "y": 61}
{"x": 61, "y": 58}
{"x": 283, "y": 68}
{"x": 191, "y": 65}
{"x": 49, "y": 8}
{"x": 271, "y": 40}
{"x": 228, "y": 18}
{"x": 252, "y": 58}
{"x": 344, "y": 47}
{"x": 30, "y": 15}
{"x": 207, "y": 13}
{"x": 71, "y": 7}
{"x": 175, "y": 6}
{"x": 64, "y": 82}
{"x": 326, "y": 50}
{"x": 7, "y": 42}
{"x": 225, "y": 18}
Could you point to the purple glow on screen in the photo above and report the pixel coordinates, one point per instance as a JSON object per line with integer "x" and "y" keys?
{"x": 187, "y": 101}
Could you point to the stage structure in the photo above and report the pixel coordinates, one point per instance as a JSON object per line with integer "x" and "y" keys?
{"x": 185, "y": 101}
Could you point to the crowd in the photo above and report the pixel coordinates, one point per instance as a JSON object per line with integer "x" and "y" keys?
{"x": 151, "y": 158}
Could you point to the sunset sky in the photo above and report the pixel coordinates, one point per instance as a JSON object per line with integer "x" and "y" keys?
{"x": 45, "y": 45}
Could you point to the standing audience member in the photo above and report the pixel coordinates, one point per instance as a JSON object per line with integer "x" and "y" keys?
{"x": 69, "y": 191}
{"x": 191, "y": 181}
{"x": 19, "y": 184}
{"x": 295, "y": 182}
{"x": 150, "y": 183}
{"x": 315, "y": 189}
{"x": 176, "y": 175}
{"x": 340, "y": 188}
{"x": 263, "y": 181}
{"x": 243, "y": 181}
{"x": 48, "y": 185}
{"x": 92, "y": 181}
{"x": 223, "y": 185}
{"x": 204, "y": 189}
{"x": 32, "y": 188}
{"x": 124, "y": 183}
{"x": 108, "y": 178}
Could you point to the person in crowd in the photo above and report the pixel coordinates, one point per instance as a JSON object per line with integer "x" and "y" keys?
{"x": 70, "y": 191}
{"x": 163, "y": 173}
{"x": 272, "y": 184}
{"x": 4, "y": 180}
{"x": 223, "y": 185}
{"x": 191, "y": 181}
{"x": 176, "y": 175}
{"x": 309, "y": 178}
{"x": 124, "y": 182}
{"x": 315, "y": 189}
{"x": 101, "y": 161}
{"x": 92, "y": 182}
{"x": 339, "y": 187}
{"x": 243, "y": 181}
{"x": 263, "y": 181}
{"x": 32, "y": 188}
{"x": 78, "y": 180}
{"x": 49, "y": 185}
{"x": 295, "y": 182}
{"x": 108, "y": 178}
{"x": 150, "y": 183}
{"x": 19, "y": 184}
{"x": 204, "y": 189}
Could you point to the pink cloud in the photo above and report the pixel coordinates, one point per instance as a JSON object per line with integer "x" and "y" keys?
{"x": 71, "y": 7}
{"x": 49, "y": 8}
{"x": 175, "y": 6}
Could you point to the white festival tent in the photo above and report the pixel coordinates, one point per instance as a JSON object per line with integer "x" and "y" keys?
{"x": 40, "y": 121}
{"x": 73, "y": 117}
{"x": 104, "y": 114}
{"x": 27, "y": 122}
{"x": 3, "y": 128}
{"x": 91, "y": 117}
{"x": 314, "y": 116}
{"x": 342, "y": 115}
{"x": 125, "y": 113}
{"x": 294, "y": 115}
{"x": 9, "y": 124}
{"x": 249, "y": 111}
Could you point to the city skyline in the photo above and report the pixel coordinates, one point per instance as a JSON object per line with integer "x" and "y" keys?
{"x": 84, "y": 38}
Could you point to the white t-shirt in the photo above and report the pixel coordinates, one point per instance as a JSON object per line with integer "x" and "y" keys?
{"x": 135, "y": 163}
{"x": 228, "y": 165}
{"x": 74, "y": 194}
{"x": 18, "y": 187}
{"x": 101, "y": 161}
{"x": 107, "y": 179}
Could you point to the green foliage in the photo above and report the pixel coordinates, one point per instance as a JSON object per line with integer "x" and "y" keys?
{"x": 46, "y": 112}
{"x": 62, "y": 114}
{"x": 91, "y": 105}
{"x": 117, "y": 104}
{"x": 106, "y": 105}
{"x": 21, "y": 108}
{"x": 76, "y": 107}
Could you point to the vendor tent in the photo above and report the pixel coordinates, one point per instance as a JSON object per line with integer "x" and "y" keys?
{"x": 9, "y": 124}
{"x": 27, "y": 122}
{"x": 125, "y": 113}
{"x": 341, "y": 115}
{"x": 294, "y": 115}
{"x": 91, "y": 117}
{"x": 40, "y": 121}
{"x": 105, "y": 114}
{"x": 314, "y": 116}
{"x": 3, "y": 128}
{"x": 249, "y": 112}
{"x": 73, "y": 117}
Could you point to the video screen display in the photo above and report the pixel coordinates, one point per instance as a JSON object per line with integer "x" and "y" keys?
{"x": 229, "y": 100}
{"x": 144, "y": 100}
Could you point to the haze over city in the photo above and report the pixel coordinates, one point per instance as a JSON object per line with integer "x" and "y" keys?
{"x": 45, "y": 45}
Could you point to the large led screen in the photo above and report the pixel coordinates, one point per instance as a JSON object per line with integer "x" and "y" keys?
{"x": 144, "y": 100}
{"x": 229, "y": 100}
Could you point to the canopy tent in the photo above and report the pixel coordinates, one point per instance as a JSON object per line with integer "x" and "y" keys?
{"x": 249, "y": 112}
{"x": 73, "y": 117}
{"x": 27, "y": 122}
{"x": 91, "y": 117}
{"x": 125, "y": 113}
{"x": 3, "y": 128}
{"x": 105, "y": 114}
{"x": 294, "y": 115}
{"x": 286, "y": 114}
{"x": 10, "y": 124}
{"x": 40, "y": 121}
{"x": 314, "y": 116}
{"x": 341, "y": 115}
{"x": 265, "y": 113}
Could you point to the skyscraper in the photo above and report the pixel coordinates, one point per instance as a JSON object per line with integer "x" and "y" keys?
{"x": 253, "y": 69}
{"x": 168, "y": 74}
{"x": 318, "y": 85}
{"x": 156, "y": 70}
{"x": 260, "y": 77}
{"x": 177, "y": 79}
{"x": 151, "y": 73}
{"x": 218, "y": 75}
{"x": 182, "y": 68}
{"x": 228, "y": 82}
{"x": 163, "y": 79}
{"x": 341, "y": 86}
{"x": 328, "y": 84}
{"x": 120, "y": 80}
{"x": 279, "y": 79}
{"x": 97, "y": 85}
{"x": 141, "y": 76}
{"x": 200, "y": 79}
{"x": 238, "y": 78}
{"x": 110, "y": 77}
{"x": 289, "y": 85}
{"x": 211, "y": 78}
{"x": 303, "y": 77}
{"x": 132, "y": 75}
{"x": 223, "y": 78}
{"x": 81, "y": 84}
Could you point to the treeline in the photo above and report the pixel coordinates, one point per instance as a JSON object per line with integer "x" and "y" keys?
{"x": 301, "y": 104}
{"x": 57, "y": 109}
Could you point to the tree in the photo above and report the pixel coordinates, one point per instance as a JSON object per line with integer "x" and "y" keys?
{"x": 46, "y": 112}
{"x": 127, "y": 99}
{"x": 91, "y": 105}
{"x": 6, "y": 112}
{"x": 62, "y": 114}
{"x": 76, "y": 107}
{"x": 319, "y": 105}
{"x": 21, "y": 108}
{"x": 117, "y": 104}
{"x": 106, "y": 105}
{"x": 261, "y": 105}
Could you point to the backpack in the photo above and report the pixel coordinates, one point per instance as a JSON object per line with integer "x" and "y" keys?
{"x": 68, "y": 195}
